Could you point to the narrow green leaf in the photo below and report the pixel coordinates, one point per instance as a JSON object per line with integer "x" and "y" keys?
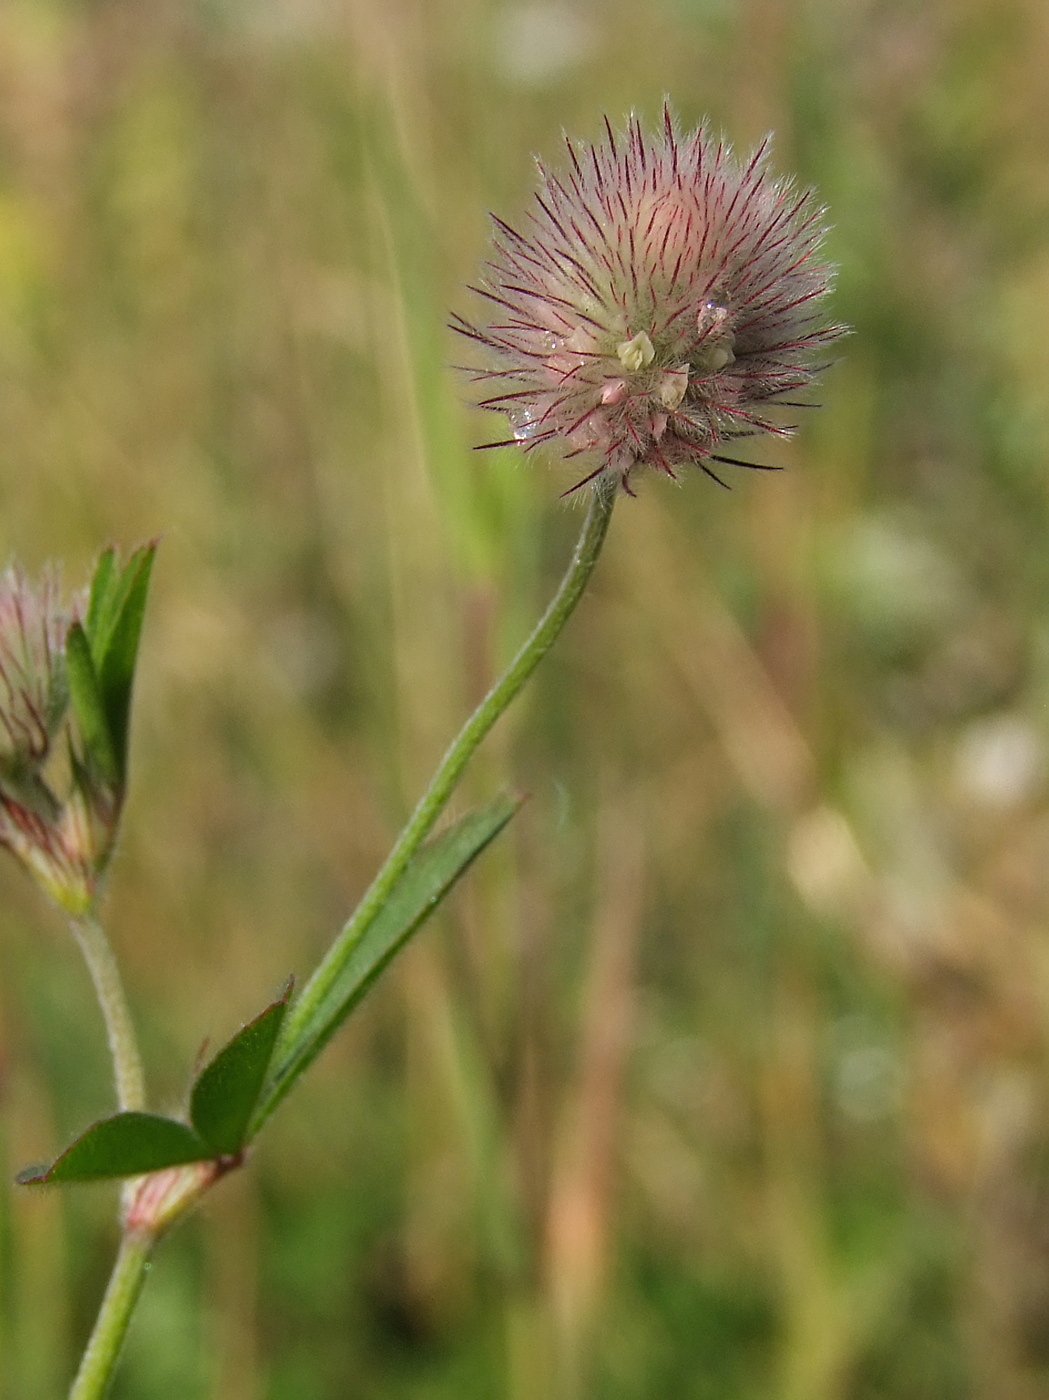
{"x": 117, "y": 645}
{"x": 103, "y": 586}
{"x": 109, "y": 591}
{"x": 128, "y": 1144}
{"x": 86, "y": 698}
{"x": 227, "y": 1090}
{"x": 424, "y": 884}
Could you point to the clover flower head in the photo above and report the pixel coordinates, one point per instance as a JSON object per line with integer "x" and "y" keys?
{"x": 58, "y": 843}
{"x": 58, "y": 823}
{"x": 33, "y": 694}
{"x": 660, "y": 298}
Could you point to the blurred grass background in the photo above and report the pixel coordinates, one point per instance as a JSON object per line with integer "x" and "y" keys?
{"x": 725, "y": 1077}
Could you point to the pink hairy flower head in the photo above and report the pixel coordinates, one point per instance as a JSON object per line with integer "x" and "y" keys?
{"x": 661, "y": 297}
{"x": 33, "y": 695}
{"x": 56, "y": 816}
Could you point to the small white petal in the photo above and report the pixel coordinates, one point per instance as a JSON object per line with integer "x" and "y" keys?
{"x": 672, "y": 386}
{"x": 636, "y": 353}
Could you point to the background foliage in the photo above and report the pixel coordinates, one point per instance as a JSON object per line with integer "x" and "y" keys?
{"x": 726, "y": 1075}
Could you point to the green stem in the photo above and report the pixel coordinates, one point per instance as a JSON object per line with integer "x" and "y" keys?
{"x": 125, "y": 1284}
{"x": 127, "y": 1064}
{"x": 450, "y": 770}
{"x": 129, "y": 1271}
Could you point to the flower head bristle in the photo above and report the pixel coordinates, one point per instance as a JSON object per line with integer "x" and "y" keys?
{"x": 662, "y": 297}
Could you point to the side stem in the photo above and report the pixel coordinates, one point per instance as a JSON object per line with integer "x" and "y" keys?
{"x": 125, "y": 1283}
{"x": 450, "y": 770}
{"x": 123, "y": 1046}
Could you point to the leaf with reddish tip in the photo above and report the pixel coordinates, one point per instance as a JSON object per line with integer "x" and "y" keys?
{"x": 129, "y": 1144}
{"x": 227, "y": 1090}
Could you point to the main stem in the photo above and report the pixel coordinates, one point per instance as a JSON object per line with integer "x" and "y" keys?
{"x": 451, "y": 767}
{"x": 129, "y": 1271}
{"x": 125, "y": 1284}
{"x": 127, "y": 1064}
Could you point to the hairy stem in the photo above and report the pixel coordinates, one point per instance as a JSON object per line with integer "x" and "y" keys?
{"x": 443, "y": 784}
{"x": 123, "y": 1046}
{"x": 125, "y": 1284}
